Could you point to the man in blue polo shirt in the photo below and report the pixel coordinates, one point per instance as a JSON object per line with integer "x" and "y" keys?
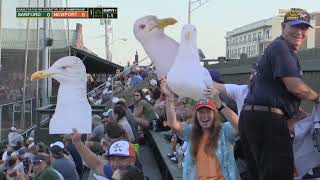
{"x": 274, "y": 97}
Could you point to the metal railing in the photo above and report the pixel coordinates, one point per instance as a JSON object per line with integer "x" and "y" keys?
{"x": 30, "y": 129}
{"x": 99, "y": 89}
{"x": 10, "y": 115}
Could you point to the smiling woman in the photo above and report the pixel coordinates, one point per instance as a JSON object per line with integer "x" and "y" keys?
{"x": 210, "y": 154}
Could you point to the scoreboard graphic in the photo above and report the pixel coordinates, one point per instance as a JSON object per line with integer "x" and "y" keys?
{"x": 70, "y": 12}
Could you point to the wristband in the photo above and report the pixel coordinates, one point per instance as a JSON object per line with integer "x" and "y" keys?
{"x": 221, "y": 107}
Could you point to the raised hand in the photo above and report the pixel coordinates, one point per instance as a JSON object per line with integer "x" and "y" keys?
{"x": 213, "y": 94}
{"x": 165, "y": 89}
{"x": 76, "y": 137}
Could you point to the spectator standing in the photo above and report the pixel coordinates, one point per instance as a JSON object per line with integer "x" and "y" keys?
{"x": 143, "y": 111}
{"x": 74, "y": 153}
{"x": 273, "y": 99}
{"x": 61, "y": 163}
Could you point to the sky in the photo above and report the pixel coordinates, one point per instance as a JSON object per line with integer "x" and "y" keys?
{"x": 212, "y": 20}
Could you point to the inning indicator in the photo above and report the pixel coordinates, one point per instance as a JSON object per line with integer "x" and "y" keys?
{"x": 71, "y": 12}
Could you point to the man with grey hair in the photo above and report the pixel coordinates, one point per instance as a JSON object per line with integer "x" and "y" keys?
{"x": 273, "y": 99}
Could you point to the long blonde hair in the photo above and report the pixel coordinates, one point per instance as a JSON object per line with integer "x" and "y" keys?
{"x": 197, "y": 132}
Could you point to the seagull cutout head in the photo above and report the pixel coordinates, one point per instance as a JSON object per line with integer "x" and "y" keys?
{"x": 161, "y": 49}
{"x": 189, "y": 34}
{"x": 65, "y": 70}
{"x": 72, "y": 96}
{"x": 150, "y": 26}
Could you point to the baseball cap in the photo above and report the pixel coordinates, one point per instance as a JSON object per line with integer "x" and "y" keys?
{"x": 215, "y": 75}
{"x": 121, "y": 148}
{"x": 21, "y": 152}
{"x": 96, "y": 117}
{"x": 297, "y": 16}
{"x": 205, "y": 103}
{"x": 115, "y": 100}
{"x": 39, "y": 158}
{"x": 12, "y": 129}
{"x": 56, "y": 147}
{"x": 153, "y": 82}
{"x": 108, "y": 113}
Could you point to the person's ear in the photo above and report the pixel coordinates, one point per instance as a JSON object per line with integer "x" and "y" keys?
{"x": 283, "y": 25}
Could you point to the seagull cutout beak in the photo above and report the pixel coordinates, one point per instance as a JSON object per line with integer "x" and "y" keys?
{"x": 162, "y": 23}
{"x": 40, "y": 75}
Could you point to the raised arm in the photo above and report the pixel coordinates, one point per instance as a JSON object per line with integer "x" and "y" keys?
{"x": 232, "y": 117}
{"x": 298, "y": 88}
{"x": 170, "y": 109}
{"x": 89, "y": 157}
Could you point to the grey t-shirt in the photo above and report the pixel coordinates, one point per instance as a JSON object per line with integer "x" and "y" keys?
{"x": 66, "y": 167}
{"x": 98, "y": 131}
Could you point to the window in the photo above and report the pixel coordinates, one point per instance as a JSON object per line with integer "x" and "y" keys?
{"x": 248, "y": 50}
{"x": 239, "y": 52}
{"x": 240, "y": 40}
{"x": 233, "y": 42}
{"x": 261, "y": 49}
{"x": 227, "y": 43}
{"x": 245, "y": 39}
{"x": 249, "y": 38}
{"x": 268, "y": 34}
{"x": 259, "y": 36}
{"x": 236, "y": 40}
{"x": 254, "y": 37}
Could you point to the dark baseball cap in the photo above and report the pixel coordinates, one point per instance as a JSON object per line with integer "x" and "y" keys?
{"x": 296, "y": 16}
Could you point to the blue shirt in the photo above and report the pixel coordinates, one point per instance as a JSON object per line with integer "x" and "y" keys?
{"x": 224, "y": 153}
{"x": 278, "y": 61}
{"x": 135, "y": 80}
{"x": 75, "y": 156}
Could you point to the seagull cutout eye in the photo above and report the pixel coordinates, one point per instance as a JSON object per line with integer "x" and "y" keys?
{"x": 64, "y": 67}
{"x": 142, "y": 26}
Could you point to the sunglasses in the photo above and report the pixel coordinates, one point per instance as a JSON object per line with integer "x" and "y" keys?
{"x": 37, "y": 163}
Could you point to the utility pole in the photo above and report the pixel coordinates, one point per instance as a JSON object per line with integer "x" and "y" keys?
{"x": 106, "y": 23}
{"x": 190, "y": 10}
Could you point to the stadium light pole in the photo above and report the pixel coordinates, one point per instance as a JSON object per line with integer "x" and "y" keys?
{"x": 190, "y": 9}
{"x": 120, "y": 39}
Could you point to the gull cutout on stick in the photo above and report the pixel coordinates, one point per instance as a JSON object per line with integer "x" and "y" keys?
{"x": 187, "y": 78}
{"x": 73, "y": 109}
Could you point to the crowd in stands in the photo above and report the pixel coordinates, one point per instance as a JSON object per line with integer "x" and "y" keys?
{"x": 124, "y": 127}
{"x": 11, "y": 85}
{"x": 103, "y": 86}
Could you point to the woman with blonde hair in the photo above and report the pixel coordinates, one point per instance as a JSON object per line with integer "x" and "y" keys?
{"x": 210, "y": 152}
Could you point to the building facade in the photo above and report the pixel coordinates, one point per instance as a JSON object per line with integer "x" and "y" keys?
{"x": 253, "y": 38}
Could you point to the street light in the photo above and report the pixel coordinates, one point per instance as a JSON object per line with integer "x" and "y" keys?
{"x": 108, "y": 54}
{"x": 190, "y": 10}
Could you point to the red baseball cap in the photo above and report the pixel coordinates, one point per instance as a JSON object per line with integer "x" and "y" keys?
{"x": 206, "y": 103}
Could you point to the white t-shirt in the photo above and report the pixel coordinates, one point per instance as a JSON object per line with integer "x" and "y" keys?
{"x": 4, "y": 156}
{"x": 238, "y": 93}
